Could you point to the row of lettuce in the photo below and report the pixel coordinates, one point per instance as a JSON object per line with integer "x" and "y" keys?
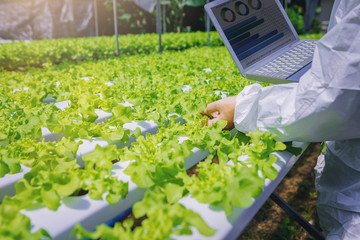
{"x": 22, "y": 54}
{"x": 160, "y": 87}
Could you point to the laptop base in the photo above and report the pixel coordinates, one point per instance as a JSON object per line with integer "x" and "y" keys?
{"x": 293, "y": 78}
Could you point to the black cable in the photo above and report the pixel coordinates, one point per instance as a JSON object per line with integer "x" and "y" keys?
{"x": 297, "y": 217}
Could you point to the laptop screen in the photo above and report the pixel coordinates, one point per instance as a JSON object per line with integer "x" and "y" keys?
{"x": 254, "y": 28}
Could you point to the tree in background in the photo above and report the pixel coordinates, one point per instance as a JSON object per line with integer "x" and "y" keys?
{"x": 134, "y": 19}
{"x": 131, "y": 18}
{"x": 176, "y": 13}
{"x": 303, "y": 14}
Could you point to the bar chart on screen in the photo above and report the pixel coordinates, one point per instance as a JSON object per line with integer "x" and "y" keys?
{"x": 254, "y": 29}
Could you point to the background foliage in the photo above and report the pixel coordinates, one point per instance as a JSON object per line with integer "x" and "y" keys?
{"x": 186, "y": 15}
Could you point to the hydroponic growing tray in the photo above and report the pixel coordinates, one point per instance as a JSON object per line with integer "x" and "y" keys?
{"x": 7, "y": 183}
{"x": 90, "y": 213}
{"x": 231, "y": 227}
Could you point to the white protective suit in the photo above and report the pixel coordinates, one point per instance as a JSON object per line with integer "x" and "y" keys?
{"x": 323, "y": 106}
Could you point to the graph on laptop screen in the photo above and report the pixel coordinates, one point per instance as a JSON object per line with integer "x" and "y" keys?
{"x": 254, "y": 28}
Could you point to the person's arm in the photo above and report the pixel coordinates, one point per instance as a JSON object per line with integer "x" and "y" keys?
{"x": 324, "y": 105}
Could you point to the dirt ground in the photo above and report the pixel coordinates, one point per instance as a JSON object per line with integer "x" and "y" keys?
{"x": 298, "y": 190}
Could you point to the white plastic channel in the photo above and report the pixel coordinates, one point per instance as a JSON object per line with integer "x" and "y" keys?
{"x": 102, "y": 116}
{"x": 8, "y": 182}
{"x": 230, "y": 227}
{"x": 50, "y": 136}
{"x": 89, "y": 146}
{"x": 91, "y": 213}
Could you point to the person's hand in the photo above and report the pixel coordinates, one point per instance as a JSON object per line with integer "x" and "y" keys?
{"x": 222, "y": 110}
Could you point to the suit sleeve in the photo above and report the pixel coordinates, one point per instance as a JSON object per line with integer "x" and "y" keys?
{"x": 324, "y": 105}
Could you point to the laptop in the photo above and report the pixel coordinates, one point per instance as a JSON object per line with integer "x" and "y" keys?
{"x": 261, "y": 39}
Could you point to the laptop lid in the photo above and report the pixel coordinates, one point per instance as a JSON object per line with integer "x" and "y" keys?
{"x": 251, "y": 29}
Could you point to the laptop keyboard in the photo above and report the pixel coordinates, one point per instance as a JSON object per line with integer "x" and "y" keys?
{"x": 290, "y": 62}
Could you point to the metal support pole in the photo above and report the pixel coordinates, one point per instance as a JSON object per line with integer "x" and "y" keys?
{"x": 116, "y": 28}
{"x": 158, "y": 22}
{"x": 208, "y": 26}
{"x": 96, "y": 18}
{"x": 164, "y": 18}
{"x": 297, "y": 217}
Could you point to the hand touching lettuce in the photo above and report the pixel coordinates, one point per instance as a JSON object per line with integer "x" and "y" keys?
{"x": 222, "y": 110}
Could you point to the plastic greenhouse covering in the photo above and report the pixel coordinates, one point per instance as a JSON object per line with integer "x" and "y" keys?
{"x": 37, "y": 19}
